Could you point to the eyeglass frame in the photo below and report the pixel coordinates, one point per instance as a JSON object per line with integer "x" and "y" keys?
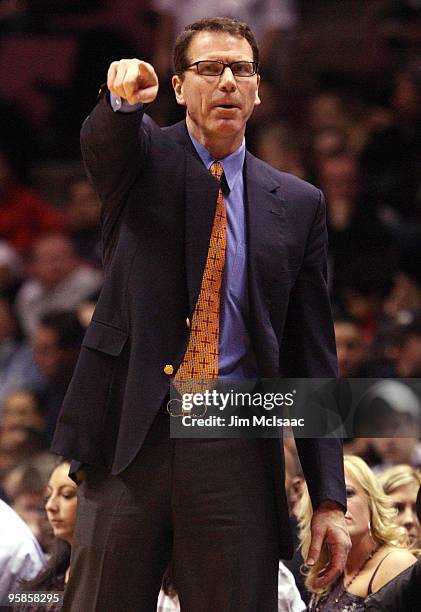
{"x": 246, "y": 76}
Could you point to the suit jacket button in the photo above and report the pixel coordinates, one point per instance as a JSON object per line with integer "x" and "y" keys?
{"x": 168, "y": 369}
{"x": 188, "y": 322}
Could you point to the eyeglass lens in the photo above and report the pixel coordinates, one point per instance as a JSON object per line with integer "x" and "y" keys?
{"x": 214, "y": 68}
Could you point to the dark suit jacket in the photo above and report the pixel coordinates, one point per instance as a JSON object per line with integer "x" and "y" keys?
{"x": 158, "y": 207}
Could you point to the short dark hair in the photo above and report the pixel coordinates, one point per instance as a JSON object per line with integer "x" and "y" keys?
{"x": 418, "y": 505}
{"x": 211, "y": 24}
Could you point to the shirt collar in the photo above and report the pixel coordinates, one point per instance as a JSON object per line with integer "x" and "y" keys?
{"x": 232, "y": 164}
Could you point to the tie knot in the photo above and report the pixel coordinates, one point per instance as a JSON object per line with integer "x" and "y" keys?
{"x": 216, "y": 170}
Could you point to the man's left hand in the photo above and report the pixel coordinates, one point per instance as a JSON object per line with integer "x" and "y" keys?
{"x": 328, "y": 524}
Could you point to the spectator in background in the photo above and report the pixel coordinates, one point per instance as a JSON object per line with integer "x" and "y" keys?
{"x": 61, "y": 506}
{"x": 81, "y": 218}
{"x": 328, "y": 126}
{"x": 399, "y": 348}
{"x": 326, "y": 111}
{"x": 350, "y": 347}
{"x": 341, "y": 183}
{"x": 405, "y": 293}
{"x": 294, "y": 487}
{"x": 355, "y": 232}
{"x": 405, "y": 352}
{"x": 279, "y": 146}
{"x": 379, "y": 546}
{"x": 402, "y": 483}
{"x": 24, "y": 486}
{"x": 57, "y": 341}
{"x": 13, "y": 16}
{"x": 21, "y": 409}
{"x": 21, "y": 557}
{"x": 399, "y": 23}
{"x": 404, "y": 591}
{"x": 42, "y": 462}
{"x": 393, "y": 451}
{"x": 17, "y": 445}
{"x": 11, "y": 270}
{"x": 23, "y": 214}
{"x": 17, "y": 368}
{"x": 58, "y": 280}
{"x": 294, "y": 478}
{"x": 406, "y": 100}
{"x": 391, "y": 155}
{"x": 27, "y": 500}
{"x": 361, "y": 287}
{"x": 327, "y": 143}
{"x": 391, "y": 411}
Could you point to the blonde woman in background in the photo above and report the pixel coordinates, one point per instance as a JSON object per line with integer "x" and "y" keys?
{"x": 401, "y": 483}
{"x": 379, "y": 549}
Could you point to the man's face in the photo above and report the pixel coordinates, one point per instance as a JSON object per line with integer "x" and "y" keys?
{"x": 409, "y": 357}
{"x": 83, "y": 207}
{"x": 350, "y": 348}
{"x": 48, "y": 356}
{"x": 339, "y": 179}
{"x": 218, "y": 107}
{"x": 21, "y": 410}
{"x": 395, "y": 450}
{"x": 53, "y": 259}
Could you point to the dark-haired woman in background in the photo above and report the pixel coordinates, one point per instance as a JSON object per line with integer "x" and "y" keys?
{"x": 61, "y": 506}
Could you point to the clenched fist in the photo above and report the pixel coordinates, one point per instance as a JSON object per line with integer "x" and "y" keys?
{"x": 133, "y": 80}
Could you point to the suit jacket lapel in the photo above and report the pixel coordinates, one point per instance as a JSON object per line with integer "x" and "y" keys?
{"x": 201, "y": 196}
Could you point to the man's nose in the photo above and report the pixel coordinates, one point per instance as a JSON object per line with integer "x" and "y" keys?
{"x": 227, "y": 80}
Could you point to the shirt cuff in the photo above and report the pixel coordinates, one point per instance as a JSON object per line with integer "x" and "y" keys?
{"x": 120, "y": 105}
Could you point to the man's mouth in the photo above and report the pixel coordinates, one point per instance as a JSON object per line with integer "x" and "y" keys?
{"x": 226, "y": 106}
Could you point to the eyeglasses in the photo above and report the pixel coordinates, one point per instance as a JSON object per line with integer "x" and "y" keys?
{"x": 216, "y": 68}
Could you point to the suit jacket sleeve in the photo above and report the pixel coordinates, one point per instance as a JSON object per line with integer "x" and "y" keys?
{"x": 311, "y": 351}
{"x": 114, "y": 148}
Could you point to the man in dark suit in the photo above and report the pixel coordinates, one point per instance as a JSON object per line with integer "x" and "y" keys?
{"x": 216, "y": 508}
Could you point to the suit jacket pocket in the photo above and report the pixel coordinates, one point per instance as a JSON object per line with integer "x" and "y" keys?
{"x": 90, "y": 394}
{"x": 105, "y": 338}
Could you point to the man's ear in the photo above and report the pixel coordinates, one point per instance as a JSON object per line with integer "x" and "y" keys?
{"x": 177, "y": 84}
{"x": 257, "y": 100}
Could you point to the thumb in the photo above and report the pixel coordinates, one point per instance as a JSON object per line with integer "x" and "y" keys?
{"x": 146, "y": 95}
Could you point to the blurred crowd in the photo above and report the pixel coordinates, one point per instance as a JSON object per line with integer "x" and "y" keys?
{"x": 341, "y": 107}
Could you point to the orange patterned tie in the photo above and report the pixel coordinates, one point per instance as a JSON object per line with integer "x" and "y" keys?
{"x": 200, "y": 363}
